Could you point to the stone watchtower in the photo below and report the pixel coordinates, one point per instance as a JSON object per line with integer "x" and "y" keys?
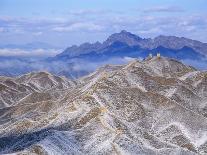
{"x": 149, "y": 57}
{"x": 158, "y": 55}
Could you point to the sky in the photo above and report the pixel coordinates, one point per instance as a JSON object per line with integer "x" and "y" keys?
{"x": 64, "y": 23}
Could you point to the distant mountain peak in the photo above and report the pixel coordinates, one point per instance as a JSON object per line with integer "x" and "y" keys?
{"x": 124, "y": 31}
{"x": 123, "y": 36}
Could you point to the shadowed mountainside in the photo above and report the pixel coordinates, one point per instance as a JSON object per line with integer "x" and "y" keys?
{"x": 129, "y": 40}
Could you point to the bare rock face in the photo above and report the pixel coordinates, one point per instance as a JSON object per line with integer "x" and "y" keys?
{"x": 155, "y": 106}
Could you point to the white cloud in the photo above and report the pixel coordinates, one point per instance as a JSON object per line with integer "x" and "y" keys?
{"x": 150, "y": 31}
{"x": 93, "y": 12}
{"x": 2, "y": 29}
{"x": 29, "y": 53}
{"x": 96, "y": 26}
{"x": 37, "y": 33}
{"x": 164, "y": 9}
{"x": 79, "y": 27}
{"x": 86, "y": 12}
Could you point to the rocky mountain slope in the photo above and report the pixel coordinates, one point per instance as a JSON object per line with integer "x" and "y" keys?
{"x": 32, "y": 87}
{"x": 155, "y": 106}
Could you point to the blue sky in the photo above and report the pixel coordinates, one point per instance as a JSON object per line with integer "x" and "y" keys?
{"x": 66, "y": 22}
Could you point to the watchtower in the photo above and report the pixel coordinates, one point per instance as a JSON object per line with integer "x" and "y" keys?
{"x": 158, "y": 55}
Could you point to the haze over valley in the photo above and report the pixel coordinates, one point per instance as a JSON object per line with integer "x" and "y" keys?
{"x": 118, "y": 48}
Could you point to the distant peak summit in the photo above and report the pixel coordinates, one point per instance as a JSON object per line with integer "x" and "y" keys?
{"x": 123, "y": 36}
{"x": 124, "y": 31}
{"x": 127, "y": 34}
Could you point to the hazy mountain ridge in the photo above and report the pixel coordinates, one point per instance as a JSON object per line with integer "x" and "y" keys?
{"x": 123, "y": 45}
{"x": 119, "y": 48}
{"x": 169, "y": 42}
{"x": 154, "y": 106}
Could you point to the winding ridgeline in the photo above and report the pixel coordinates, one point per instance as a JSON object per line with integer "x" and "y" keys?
{"x": 155, "y": 106}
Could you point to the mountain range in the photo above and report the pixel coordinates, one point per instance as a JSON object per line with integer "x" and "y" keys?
{"x": 77, "y": 61}
{"x": 153, "y": 106}
{"x": 128, "y": 39}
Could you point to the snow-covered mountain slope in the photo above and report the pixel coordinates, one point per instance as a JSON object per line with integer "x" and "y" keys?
{"x": 35, "y": 86}
{"x": 154, "y": 106}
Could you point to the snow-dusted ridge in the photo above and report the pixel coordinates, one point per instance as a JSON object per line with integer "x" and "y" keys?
{"x": 155, "y": 106}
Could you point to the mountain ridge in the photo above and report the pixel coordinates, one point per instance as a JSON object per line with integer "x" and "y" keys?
{"x": 151, "y": 106}
{"x": 130, "y": 39}
{"x": 119, "y": 48}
